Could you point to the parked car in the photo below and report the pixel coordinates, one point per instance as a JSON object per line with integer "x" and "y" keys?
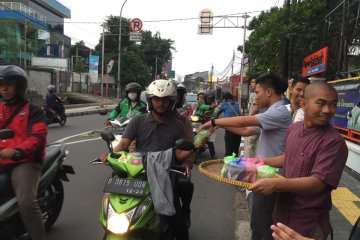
{"x": 189, "y": 100}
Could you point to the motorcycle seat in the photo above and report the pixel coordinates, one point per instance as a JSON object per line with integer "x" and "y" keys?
{"x": 51, "y": 153}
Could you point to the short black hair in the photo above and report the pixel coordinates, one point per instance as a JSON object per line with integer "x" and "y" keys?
{"x": 226, "y": 95}
{"x": 273, "y": 81}
{"x": 302, "y": 80}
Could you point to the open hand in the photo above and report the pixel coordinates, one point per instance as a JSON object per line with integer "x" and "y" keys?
{"x": 7, "y": 153}
{"x": 103, "y": 157}
{"x": 283, "y": 232}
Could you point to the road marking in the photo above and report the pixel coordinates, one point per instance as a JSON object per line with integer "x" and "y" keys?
{"x": 72, "y": 136}
{"x": 344, "y": 200}
{"x": 85, "y": 140}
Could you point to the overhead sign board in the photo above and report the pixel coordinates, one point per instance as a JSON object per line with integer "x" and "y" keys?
{"x": 135, "y": 37}
{"x": 136, "y": 25}
{"x": 315, "y": 63}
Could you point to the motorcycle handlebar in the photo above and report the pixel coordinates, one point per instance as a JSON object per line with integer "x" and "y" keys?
{"x": 96, "y": 161}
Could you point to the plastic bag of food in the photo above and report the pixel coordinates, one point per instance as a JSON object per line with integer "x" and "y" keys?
{"x": 265, "y": 171}
{"x": 201, "y": 138}
{"x": 135, "y": 158}
{"x": 227, "y": 159}
{"x": 242, "y": 169}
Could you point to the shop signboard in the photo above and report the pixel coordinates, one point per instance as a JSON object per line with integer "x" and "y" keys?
{"x": 315, "y": 63}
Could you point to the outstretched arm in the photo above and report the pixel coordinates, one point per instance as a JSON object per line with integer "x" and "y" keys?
{"x": 235, "y": 122}
{"x": 244, "y": 131}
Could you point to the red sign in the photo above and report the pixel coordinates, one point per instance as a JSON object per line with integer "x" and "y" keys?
{"x": 136, "y": 25}
{"x": 315, "y": 63}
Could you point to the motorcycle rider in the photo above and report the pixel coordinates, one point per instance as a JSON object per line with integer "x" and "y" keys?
{"x": 22, "y": 155}
{"x": 157, "y": 131}
{"x": 206, "y": 111}
{"x": 184, "y": 184}
{"x": 131, "y": 105}
{"x": 200, "y": 100}
{"x": 54, "y": 102}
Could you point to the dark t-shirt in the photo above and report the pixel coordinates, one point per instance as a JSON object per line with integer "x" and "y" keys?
{"x": 319, "y": 152}
{"x": 152, "y": 136}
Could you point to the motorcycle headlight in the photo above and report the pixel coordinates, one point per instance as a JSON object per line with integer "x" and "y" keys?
{"x": 195, "y": 118}
{"x": 141, "y": 209}
{"x": 118, "y": 223}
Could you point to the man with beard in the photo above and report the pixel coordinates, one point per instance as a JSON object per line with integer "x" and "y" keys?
{"x": 158, "y": 130}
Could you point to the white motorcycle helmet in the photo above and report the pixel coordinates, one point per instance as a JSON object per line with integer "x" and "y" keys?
{"x": 161, "y": 88}
{"x": 51, "y": 88}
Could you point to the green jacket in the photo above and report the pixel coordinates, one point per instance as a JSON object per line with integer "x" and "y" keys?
{"x": 201, "y": 109}
{"x": 125, "y": 110}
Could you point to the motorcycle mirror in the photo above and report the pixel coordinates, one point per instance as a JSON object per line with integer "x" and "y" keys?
{"x": 6, "y": 133}
{"x": 184, "y": 144}
{"x": 107, "y": 136}
{"x": 103, "y": 111}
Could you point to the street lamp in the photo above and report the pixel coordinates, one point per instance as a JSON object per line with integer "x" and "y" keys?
{"x": 119, "y": 53}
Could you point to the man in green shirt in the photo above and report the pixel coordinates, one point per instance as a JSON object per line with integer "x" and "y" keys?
{"x": 131, "y": 105}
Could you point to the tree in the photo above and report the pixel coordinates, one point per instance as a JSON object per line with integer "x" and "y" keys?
{"x": 283, "y": 37}
{"x": 138, "y": 61}
{"x": 79, "y": 54}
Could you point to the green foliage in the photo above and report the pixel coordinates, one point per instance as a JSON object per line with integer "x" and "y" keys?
{"x": 282, "y": 37}
{"x": 138, "y": 61}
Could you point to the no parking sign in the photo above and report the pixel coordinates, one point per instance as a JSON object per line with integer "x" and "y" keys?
{"x": 136, "y": 25}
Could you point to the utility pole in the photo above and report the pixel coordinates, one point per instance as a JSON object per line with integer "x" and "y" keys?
{"x": 211, "y": 76}
{"x": 156, "y": 60}
{"x": 25, "y": 43}
{"x": 242, "y": 62}
{"x": 342, "y": 42}
{"x": 232, "y": 71}
{"x": 102, "y": 59}
{"x": 119, "y": 53}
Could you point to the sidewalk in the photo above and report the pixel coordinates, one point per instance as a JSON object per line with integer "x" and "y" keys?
{"x": 92, "y": 104}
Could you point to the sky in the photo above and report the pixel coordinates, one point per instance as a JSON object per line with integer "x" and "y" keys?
{"x": 194, "y": 52}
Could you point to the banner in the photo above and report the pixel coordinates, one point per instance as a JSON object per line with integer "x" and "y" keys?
{"x": 348, "y": 106}
{"x": 93, "y": 68}
{"x": 315, "y": 63}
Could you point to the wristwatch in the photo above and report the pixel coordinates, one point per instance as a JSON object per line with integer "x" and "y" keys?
{"x": 213, "y": 124}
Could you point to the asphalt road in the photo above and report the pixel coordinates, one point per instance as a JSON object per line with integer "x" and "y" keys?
{"x": 213, "y": 215}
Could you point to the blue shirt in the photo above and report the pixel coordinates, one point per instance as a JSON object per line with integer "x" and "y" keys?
{"x": 228, "y": 111}
{"x": 274, "y": 123}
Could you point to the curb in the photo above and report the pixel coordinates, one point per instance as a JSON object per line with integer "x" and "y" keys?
{"x": 81, "y": 113}
{"x": 87, "y": 111}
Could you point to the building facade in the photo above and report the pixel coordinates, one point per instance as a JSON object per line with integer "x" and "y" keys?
{"x": 32, "y": 28}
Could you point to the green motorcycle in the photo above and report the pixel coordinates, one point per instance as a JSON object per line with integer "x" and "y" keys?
{"x": 127, "y": 210}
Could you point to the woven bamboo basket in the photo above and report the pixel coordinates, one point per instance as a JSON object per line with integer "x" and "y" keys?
{"x": 212, "y": 169}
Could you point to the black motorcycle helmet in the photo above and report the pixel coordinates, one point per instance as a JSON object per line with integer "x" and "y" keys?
{"x": 181, "y": 93}
{"x": 15, "y": 74}
{"x": 133, "y": 86}
{"x": 209, "y": 97}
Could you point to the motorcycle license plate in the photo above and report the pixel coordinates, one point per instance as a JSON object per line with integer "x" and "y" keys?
{"x": 118, "y": 130}
{"x": 132, "y": 187}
